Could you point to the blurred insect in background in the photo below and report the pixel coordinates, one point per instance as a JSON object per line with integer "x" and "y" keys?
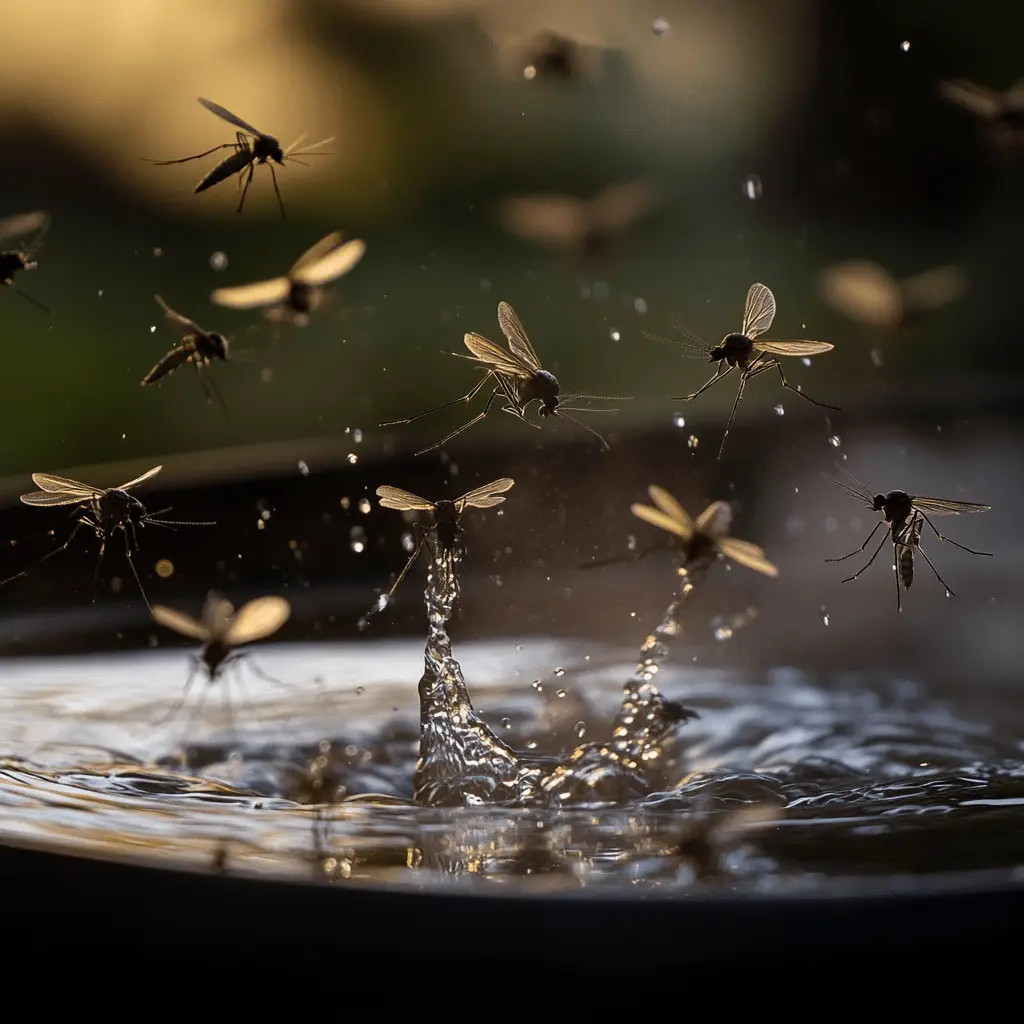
{"x": 12, "y": 261}
{"x": 251, "y": 147}
{"x": 105, "y": 512}
{"x": 197, "y": 347}
{"x": 297, "y": 294}
{"x": 543, "y": 56}
{"x": 221, "y": 629}
{"x": 445, "y": 527}
{"x": 698, "y": 543}
{"x": 518, "y": 378}
{"x": 1002, "y": 112}
{"x": 869, "y": 294}
{"x": 903, "y": 513}
{"x": 749, "y": 352}
{"x": 584, "y": 226}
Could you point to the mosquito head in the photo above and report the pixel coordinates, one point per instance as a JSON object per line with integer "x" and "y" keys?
{"x": 302, "y": 298}
{"x": 215, "y": 653}
{"x": 10, "y": 263}
{"x": 220, "y": 348}
{"x": 266, "y": 147}
{"x": 545, "y": 387}
{"x": 878, "y": 502}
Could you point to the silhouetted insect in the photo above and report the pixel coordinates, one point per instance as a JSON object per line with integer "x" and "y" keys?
{"x": 446, "y": 515}
{"x": 14, "y": 260}
{"x": 197, "y": 347}
{"x": 699, "y": 543}
{"x": 519, "y": 379}
{"x": 1002, "y": 111}
{"x": 749, "y": 355}
{"x": 108, "y": 511}
{"x": 902, "y": 514}
{"x": 586, "y": 225}
{"x": 251, "y": 147}
{"x": 869, "y": 294}
{"x": 221, "y": 629}
{"x": 296, "y": 295}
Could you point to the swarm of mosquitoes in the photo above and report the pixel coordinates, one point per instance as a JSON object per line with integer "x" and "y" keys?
{"x": 516, "y": 378}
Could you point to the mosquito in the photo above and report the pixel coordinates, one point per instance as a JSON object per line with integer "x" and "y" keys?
{"x": 251, "y": 147}
{"x": 750, "y": 355}
{"x": 901, "y": 516}
{"x": 1004, "y": 111}
{"x": 104, "y": 512}
{"x": 294, "y": 296}
{"x": 12, "y": 261}
{"x": 221, "y": 629}
{"x": 700, "y": 542}
{"x": 197, "y": 347}
{"x": 518, "y": 378}
{"x": 446, "y": 515}
{"x": 869, "y": 294}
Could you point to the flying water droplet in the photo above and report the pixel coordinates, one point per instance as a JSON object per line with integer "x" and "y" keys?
{"x": 679, "y": 419}
{"x": 640, "y": 305}
{"x": 805, "y": 361}
{"x": 723, "y": 633}
{"x": 824, "y": 615}
{"x": 692, "y": 441}
{"x": 408, "y": 543}
{"x": 559, "y": 672}
{"x": 581, "y": 728}
{"x": 905, "y": 45}
{"x": 835, "y": 440}
{"x": 357, "y": 539}
{"x": 303, "y": 468}
{"x": 219, "y": 261}
{"x": 752, "y": 187}
{"x": 352, "y": 458}
{"x": 876, "y": 357}
{"x": 561, "y": 693}
{"x": 364, "y": 506}
{"x": 615, "y": 335}
{"x": 537, "y": 685}
{"x": 779, "y": 410}
{"x": 506, "y": 723}
{"x": 660, "y": 26}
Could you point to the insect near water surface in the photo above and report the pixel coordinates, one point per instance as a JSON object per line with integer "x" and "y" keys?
{"x": 251, "y": 147}
{"x": 105, "y": 511}
{"x": 904, "y": 515}
{"x": 294, "y": 296}
{"x": 748, "y": 351}
{"x": 13, "y": 261}
{"x": 446, "y": 515}
{"x": 518, "y": 378}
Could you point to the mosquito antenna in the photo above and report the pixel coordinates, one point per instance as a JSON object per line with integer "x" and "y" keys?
{"x": 574, "y": 395}
{"x": 853, "y": 492}
{"x": 34, "y": 301}
{"x": 676, "y": 325}
{"x": 290, "y": 151}
{"x": 632, "y": 556}
{"x": 580, "y": 423}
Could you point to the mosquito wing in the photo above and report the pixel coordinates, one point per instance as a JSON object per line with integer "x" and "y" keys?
{"x": 44, "y": 498}
{"x": 404, "y": 501}
{"x": 316, "y": 252}
{"x": 62, "y": 485}
{"x": 947, "y": 507}
{"x": 933, "y": 288}
{"x": 23, "y": 224}
{"x": 494, "y": 356}
{"x": 659, "y": 519}
{"x": 336, "y": 263}
{"x": 747, "y": 554}
{"x": 140, "y": 479}
{"x": 181, "y": 322}
{"x": 975, "y": 98}
{"x": 518, "y": 342}
{"x": 223, "y": 112}
{"x": 715, "y": 520}
{"x": 180, "y": 622}
{"x": 671, "y": 508}
{"x": 249, "y": 296}
{"x": 795, "y": 348}
{"x": 547, "y": 218}
{"x": 863, "y": 291}
{"x": 620, "y": 205}
{"x": 759, "y": 311}
{"x": 485, "y": 497}
{"x": 257, "y": 619}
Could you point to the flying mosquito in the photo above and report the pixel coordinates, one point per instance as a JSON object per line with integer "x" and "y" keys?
{"x": 902, "y": 514}
{"x": 104, "y": 512}
{"x": 748, "y": 354}
{"x": 869, "y": 294}
{"x": 294, "y": 296}
{"x": 14, "y": 260}
{"x": 699, "y": 542}
{"x": 197, "y": 347}
{"x": 518, "y": 378}
{"x": 1002, "y": 111}
{"x": 251, "y": 147}
{"x": 221, "y": 629}
{"x": 446, "y": 515}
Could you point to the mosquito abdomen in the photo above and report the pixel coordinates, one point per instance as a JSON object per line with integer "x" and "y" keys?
{"x": 238, "y": 161}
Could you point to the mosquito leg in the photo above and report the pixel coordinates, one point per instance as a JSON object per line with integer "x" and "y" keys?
{"x": 719, "y": 374}
{"x": 280, "y": 201}
{"x": 572, "y": 419}
{"x": 468, "y": 397}
{"x": 949, "y": 589}
{"x": 408, "y": 565}
{"x": 257, "y": 671}
{"x": 198, "y": 156}
{"x": 131, "y": 562}
{"x": 245, "y": 189}
{"x": 212, "y": 392}
{"x": 896, "y": 575}
{"x": 193, "y": 671}
{"x": 34, "y": 301}
{"x": 946, "y": 540}
{"x": 796, "y": 391}
{"x": 850, "y": 579}
{"x": 96, "y": 571}
{"x": 861, "y": 548}
{"x": 732, "y": 414}
{"x": 465, "y": 426}
{"x": 56, "y": 551}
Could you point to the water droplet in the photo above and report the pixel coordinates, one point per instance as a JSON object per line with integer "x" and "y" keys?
{"x": 615, "y": 335}
{"x": 265, "y": 514}
{"x": 408, "y": 543}
{"x": 679, "y": 419}
{"x": 164, "y": 568}
{"x": 158, "y": 252}
{"x": 640, "y": 305}
{"x": 100, "y": 293}
{"x": 692, "y": 441}
{"x": 835, "y": 440}
{"x": 905, "y": 45}
{"x": 382, "y": 602}
{"x": 537, "y": 685}
{"x": 219, "y": 261}
{"x": 303, "y": 468}
{"x": 949, "y": 593}
{"x": 824, "y": 615}
{"x": 345, "y": 503}
{"x": 357, "y": 539}
{"x": 805, "y": 361}
{"x": 506, "y": 723}
{"x": 561, "y": 693}
{"x": 357, "y": 435}
{"x": 529, "y": 72}
{"x": 631, "y": 542}
{"x": 532, "y": 745}
{"x": 559, "y": 672}
{"x": 352, "y": 458}
{"x": 581, "y": 728}
{"x": 364, "y": 506}
{"x": 831, "y": 524}
{"x": 660, "y": 26}
{"x": 779, "y": 410}
{"x": 752, "y": 187}
{"x": 876, "y": 357}
{"x": 152, "y": 329}
{"x": 723, "y": 633}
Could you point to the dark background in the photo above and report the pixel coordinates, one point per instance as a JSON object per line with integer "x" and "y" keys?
{"x": 434, "y": 125}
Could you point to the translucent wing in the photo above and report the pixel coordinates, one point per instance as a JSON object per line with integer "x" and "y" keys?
{"x": 42, "y": 498}
{"x": 487, "y": 496}
{"x": 671, "y": 508}
{"x": 658, "y": 518}
{"x": 715, "y": 520}
{"x": 179, "y": 321}
{"x": 618, "y": 206}
{"x": 759, "y": 311}
{"x": 495, "y": 356}
{"x": 248, "y": 296}
{"x": 947, "y": 507}
{"x": 795, "y": 348}
{"x": 550, "y": 219}
{"x": 864, "y": 292}
{"x": 23, "y": 224}
{"x": 62, "y": 485}
{"x": 933, "y": 288}
{"x": 180, "y": 622}
{"x": 223, "y": 112}
{"x": 140, "y": 479}
{"x": 404, "y": 501}
{"x": 218, "y": 615}
{"x": 975, "y": 98}
{"x": 517, "y": 339}
{"x": 257, "y": 619}
{"x": 336, "y": 263}
{"x": 316, "y": 252}
{"x": 747, "y": 554}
